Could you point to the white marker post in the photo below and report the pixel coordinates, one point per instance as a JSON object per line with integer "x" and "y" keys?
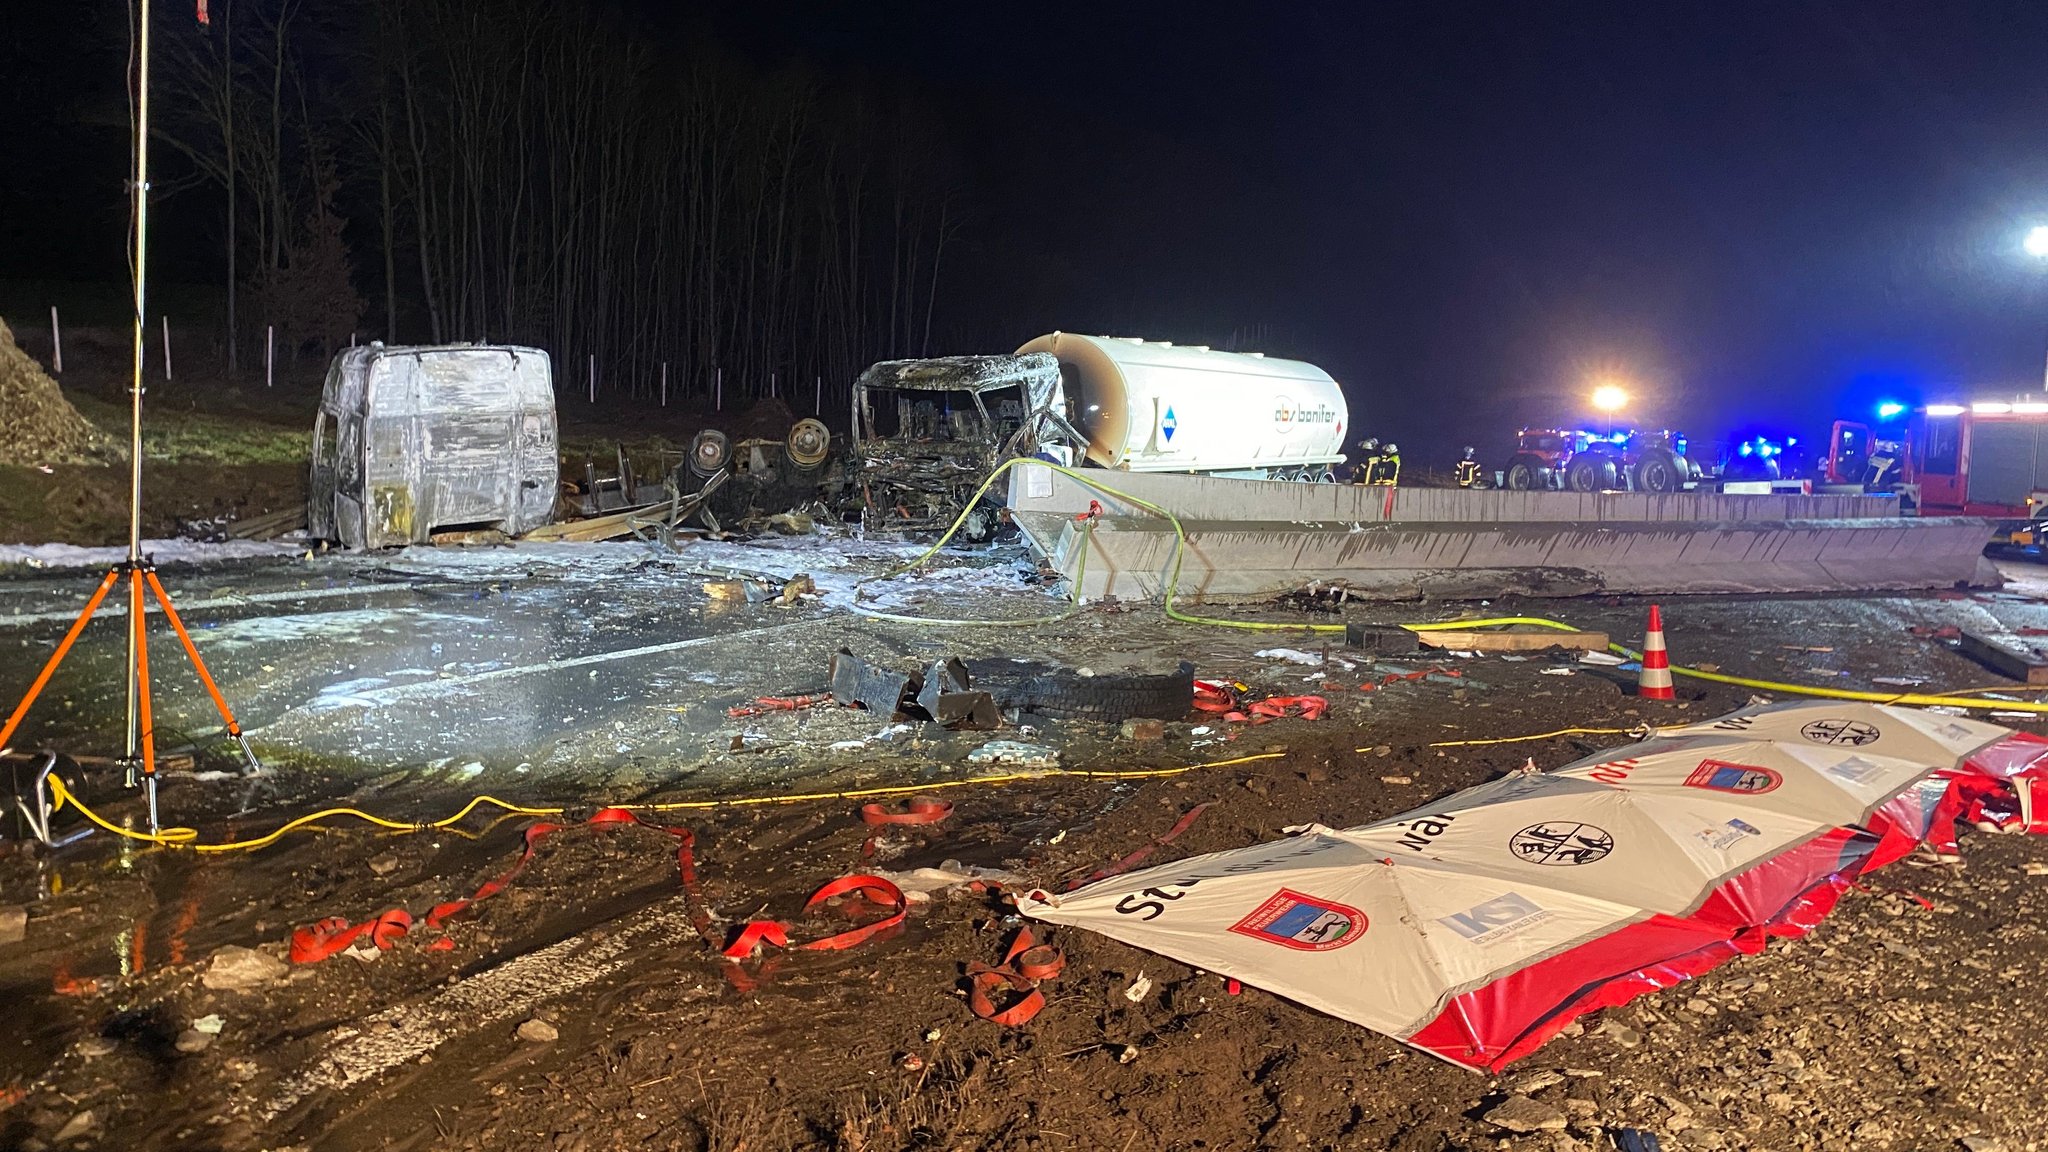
{"x": 818, "y": 397}
{"x": 664, "y": 383}
{"x": 269, "y": 355}
{"x": 718, "y": 396}
{"x": 593, "y": 377}
{"x": 56, "y": 343}
{"x": 167, "y": 346}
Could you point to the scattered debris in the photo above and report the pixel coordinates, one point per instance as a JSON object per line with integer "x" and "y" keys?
{"x": 1380, "y": 638}
{"x": 1607, "y": 659}
{"x": 192, "y": 1040}
{"x": 13, "y": 924}
{"x": 236, "y": 969}
{"x": 1514, "y": 640}
{"x": 538, "y": 1031}
{"x": 2006, "y": 655}
{"x": 1015, "y": 753}
{"x": 1290, "y": 655}
{"x": 1139, "y": 989}
{"x": 81, "y": 1125}
{"x": 1521, "y": 1114}
{"x": 1143, "y": 731}
{"x": 383, "y": 865}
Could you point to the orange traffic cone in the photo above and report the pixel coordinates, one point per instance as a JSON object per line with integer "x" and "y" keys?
{"x": 1654, "y": 682}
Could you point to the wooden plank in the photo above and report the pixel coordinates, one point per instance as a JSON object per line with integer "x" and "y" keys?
{"x": 598, "y": 527}
{"x": 2006, "y": 655}
{"x": 1515, "y": 640}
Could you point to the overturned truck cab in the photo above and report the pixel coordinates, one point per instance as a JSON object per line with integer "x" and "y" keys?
{"x": 926, "y": 433}
{"x": 416, "y": 440}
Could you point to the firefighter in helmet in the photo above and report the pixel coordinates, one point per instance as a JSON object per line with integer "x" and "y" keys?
{"x": 1368, "y": 466}
{"x": 1387, "y": 469}
{"x": 1468, "y": 469}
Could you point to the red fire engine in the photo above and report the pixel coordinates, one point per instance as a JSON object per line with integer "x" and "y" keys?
{"x": 1987, "y": 458}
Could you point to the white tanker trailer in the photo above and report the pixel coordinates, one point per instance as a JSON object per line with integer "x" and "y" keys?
{"x": 1154, "y": 406}
{"x": 926, "y": 432}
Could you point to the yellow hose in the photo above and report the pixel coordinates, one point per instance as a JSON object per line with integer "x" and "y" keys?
{"x": 61, "y": 795}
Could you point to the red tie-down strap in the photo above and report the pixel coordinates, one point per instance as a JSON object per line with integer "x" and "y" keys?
{"x": 1276, "y": 707}
{"x": 1134, "y": 859}
{"x": 317, "y": 942}
{"x": 1025, "y": 964}
{"x": 917, "y": 810}
{"x": 872, "y": 889}
{"x": 1215, "y": 696}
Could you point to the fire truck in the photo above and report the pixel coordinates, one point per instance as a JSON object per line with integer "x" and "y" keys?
{"x": 1987, "y": 458}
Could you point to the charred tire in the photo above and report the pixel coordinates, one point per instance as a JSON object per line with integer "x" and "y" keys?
{"x": 1658, "y": 471}
{"x": 1525, "y": 473}
{"x": 1591, "y": 474}
{"x": 1110, "y": 699}
{"x": 709, "y": 451}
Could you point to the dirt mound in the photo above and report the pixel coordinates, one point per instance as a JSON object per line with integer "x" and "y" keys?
{"x": 37, "y": 425}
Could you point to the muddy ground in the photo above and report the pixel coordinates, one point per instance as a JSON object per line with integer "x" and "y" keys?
{"x": 406, "y": 684}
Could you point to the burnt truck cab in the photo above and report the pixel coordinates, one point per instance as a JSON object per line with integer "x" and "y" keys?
{"x": 926, "y": 433}
{"x": 415, "y": 440}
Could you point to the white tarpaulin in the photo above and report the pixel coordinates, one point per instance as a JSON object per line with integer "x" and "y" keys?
{"x": 1477, "y": 925}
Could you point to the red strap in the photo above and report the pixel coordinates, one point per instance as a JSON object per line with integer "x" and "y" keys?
{"x": 1094, "y": 512}
{"x": 918, "y": 810}
{"x": 1135, "y": 858}
{"x": 317, "y": 942}
{"x": 764, "y": 704}
{"x": 872, "y": 888}
{"x": 1275, "y": 707}
{"x": 1024, "y": 965}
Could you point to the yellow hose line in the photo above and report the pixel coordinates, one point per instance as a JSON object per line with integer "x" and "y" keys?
{"x": 62, "y": 795}
{"x": 1522, "y": 739}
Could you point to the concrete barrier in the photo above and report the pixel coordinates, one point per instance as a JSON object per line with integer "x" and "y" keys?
{"x": 1250, "y": 539}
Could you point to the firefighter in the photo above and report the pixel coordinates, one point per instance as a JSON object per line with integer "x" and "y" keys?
{"x": 1388, "y": 467}
{"x": 1468, "y": 469}
{"x": 1368, "y": 468}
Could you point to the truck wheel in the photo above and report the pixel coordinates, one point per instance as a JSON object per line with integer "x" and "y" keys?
{"x": 1526, "y": 473}
{"x": 1591, "y": 474}
{"x": 1657, "y": 471}
{"x": 1110, "y": 699}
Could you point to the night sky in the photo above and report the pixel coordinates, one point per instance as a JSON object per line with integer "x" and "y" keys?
{"x": 1748, "y": 213}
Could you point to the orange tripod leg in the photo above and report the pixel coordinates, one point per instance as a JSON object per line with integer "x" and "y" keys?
{"x": 57, "y": 657}
{"x": 205, "y": 677}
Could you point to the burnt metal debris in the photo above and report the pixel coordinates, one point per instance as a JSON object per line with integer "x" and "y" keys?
{"x": 943, "y": 693}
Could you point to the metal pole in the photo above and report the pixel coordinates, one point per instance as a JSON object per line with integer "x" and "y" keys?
{"x": 167, "y": 345}
{"x": 771, "y": 385}
{"x": 818, "y": 397}
{"x": 56, "y": 343}
{"x": 664, "y": 383}
{"x": 593, "y": 377}
{"x": 141, "y": 192}
{"x": 269, "y": 354}
{"x": 718, "y": 396}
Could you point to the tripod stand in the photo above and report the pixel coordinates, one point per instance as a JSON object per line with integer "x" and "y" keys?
{"x": 141, "y": 575}
{"x": 139, "y": 569}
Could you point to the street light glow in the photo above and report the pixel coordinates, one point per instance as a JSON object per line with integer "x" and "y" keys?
{"x": 1609, "y": 398}
{"x": 2037, "y": 240}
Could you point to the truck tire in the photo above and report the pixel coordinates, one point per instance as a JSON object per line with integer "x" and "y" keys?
{"x": 1658, "y": 471}
{"x": 1110, "y": 699}
{"x": 1591, "y": 474}
{"x": 1525, "y": 473}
